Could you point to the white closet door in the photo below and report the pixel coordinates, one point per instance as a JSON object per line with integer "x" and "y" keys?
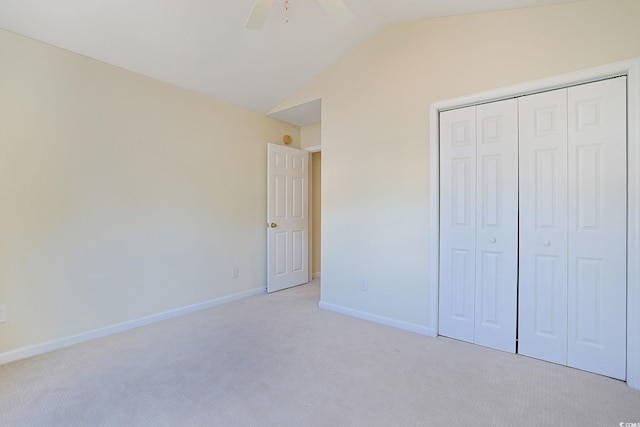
{"x": 457, "y": 223}
{"x": 572, "y": 297}
{"x": 542, "y": 319}
{"x": 597, "y": 227}
{"x": 496, "y": 225}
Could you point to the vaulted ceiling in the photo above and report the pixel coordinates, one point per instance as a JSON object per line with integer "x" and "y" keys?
{"x": 203, "y": 45}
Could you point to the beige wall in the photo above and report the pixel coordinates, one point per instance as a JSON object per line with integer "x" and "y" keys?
{"x": 122, "y": 196}
{"x": 375, "y": 131}
{"x": 310, "y": 135}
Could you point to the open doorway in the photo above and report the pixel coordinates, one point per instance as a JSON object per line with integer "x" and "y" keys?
{"x": 308, "y": 117}
{"x": 311, "y": 141}
{"x": 316, "y": 175}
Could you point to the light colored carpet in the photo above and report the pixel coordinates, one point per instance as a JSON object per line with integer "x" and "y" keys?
{"x": 278, "y": 360}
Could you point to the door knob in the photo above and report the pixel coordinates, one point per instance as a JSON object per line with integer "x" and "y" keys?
{"x": 273, "y": 225}
{"x": 493, "y": 240}
{"x": 547, "y": 243}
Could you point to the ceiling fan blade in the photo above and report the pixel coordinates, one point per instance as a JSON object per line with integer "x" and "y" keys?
{"x": 258, "y": 14}
{"x": 338, "y": 10}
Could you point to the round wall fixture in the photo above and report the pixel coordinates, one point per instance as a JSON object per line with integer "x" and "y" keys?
{"x": 286, "y": 139}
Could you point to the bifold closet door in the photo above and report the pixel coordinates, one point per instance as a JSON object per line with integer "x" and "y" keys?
{"x": 496, "y": 294}
{"x": 572, "y": 272}
{"x": 478, "y": 224}
{"x": 457, "y": 223}
{"x": 598, "y": 227}
{"x": 542, "y": 329}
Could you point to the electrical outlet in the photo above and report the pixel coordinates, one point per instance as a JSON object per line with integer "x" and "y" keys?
{"x": 364, "y": 285}
{"x": 234, "y": 273}
{"x": 3, "y": 313}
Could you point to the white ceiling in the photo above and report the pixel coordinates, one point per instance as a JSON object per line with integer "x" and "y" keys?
{"x": 203, "y": 45}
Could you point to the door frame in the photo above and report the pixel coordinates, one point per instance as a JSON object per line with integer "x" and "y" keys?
{"x": 629, "y": 68}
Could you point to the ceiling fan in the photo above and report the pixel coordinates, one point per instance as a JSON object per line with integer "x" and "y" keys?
{"x": 335, "y": 8}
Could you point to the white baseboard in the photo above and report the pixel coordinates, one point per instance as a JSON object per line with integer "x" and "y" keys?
{"x": 406, "y": 326}
{"x": 315, "y": 275}
{"x": 36, "y": 349}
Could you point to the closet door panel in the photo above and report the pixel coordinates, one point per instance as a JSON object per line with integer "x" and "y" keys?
{"x": 597, "y": 227}
{"x": 542, "y": 318}
{"x": 457, "y": 223}
{"x": 497, "y": 225}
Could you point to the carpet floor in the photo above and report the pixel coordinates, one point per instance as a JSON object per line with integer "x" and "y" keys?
{"x": 278, "y": 360}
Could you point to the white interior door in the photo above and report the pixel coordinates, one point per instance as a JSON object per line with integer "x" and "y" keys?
{"x": 457, "y": 223}
{"x": 573, "y": 227}
{"x": 542, "y": 328}
{"x": 597, "y": 227}
{"x": 287, "y": 217}
{"x": 478, "y": 224}
{"x": 496, "y": 290}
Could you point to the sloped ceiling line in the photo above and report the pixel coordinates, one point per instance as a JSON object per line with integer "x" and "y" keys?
{"x": 203, "y": 45}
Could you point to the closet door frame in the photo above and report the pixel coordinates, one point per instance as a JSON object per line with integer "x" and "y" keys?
{"x": 631, "y": 69}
